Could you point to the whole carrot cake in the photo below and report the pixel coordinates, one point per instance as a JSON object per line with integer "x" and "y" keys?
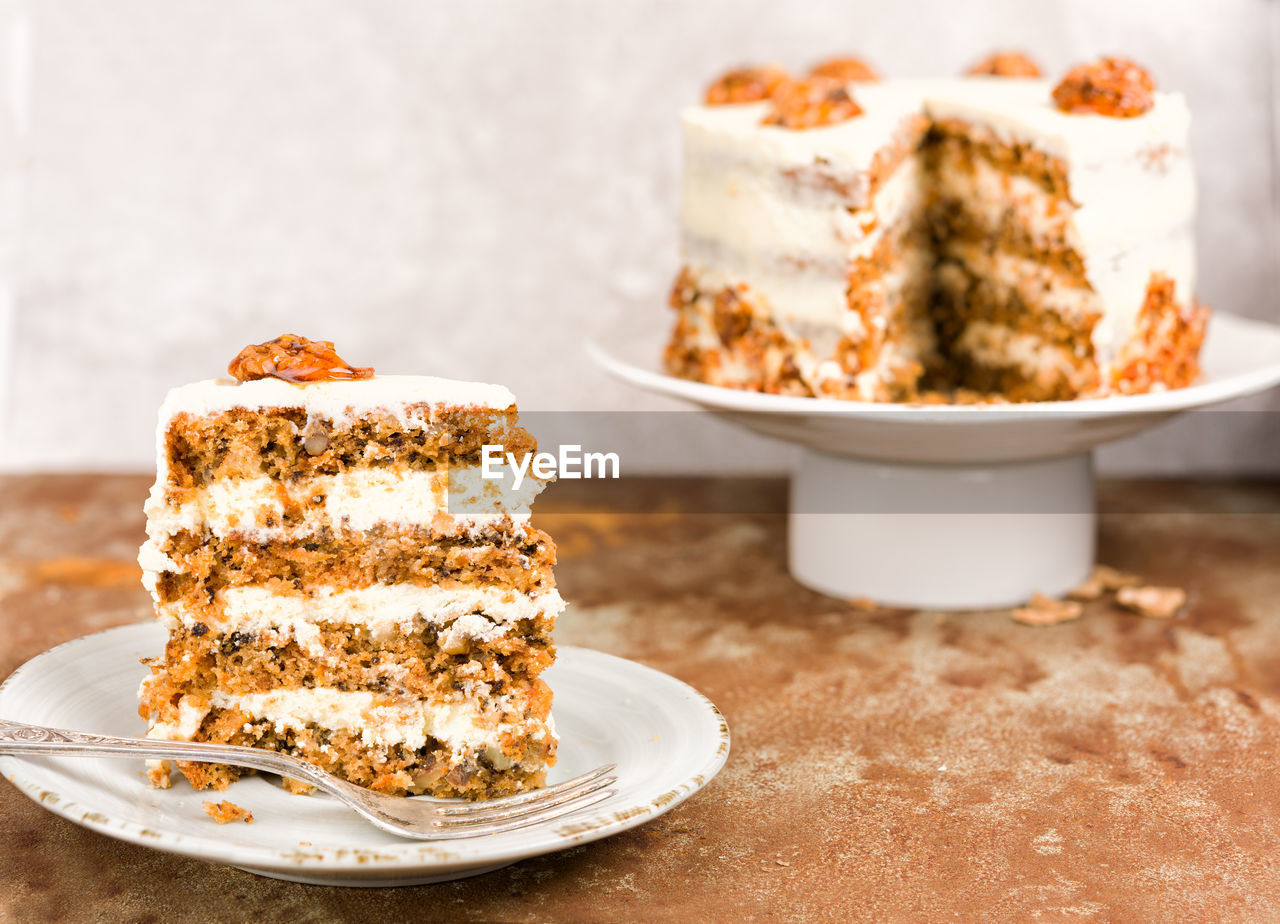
{"x": 339, "y": 583}
{"x": 995, "y": 234}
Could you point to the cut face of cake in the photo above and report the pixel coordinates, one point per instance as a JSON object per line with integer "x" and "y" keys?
{"x": 992, "y": 235}
{"x": 340, "y": 584}
{"x": 806, "y": 251}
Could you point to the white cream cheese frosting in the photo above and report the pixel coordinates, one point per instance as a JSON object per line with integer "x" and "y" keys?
{"x": 357, "y": 499}
{"x": 463, "y": 726}
{"x": 340, "y": 401}
{"x": 384, "y": 610}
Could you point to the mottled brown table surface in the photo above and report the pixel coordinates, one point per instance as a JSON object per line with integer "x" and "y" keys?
{"x": 886, "y": 765}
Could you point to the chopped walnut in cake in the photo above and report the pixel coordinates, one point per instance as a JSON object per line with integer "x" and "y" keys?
{"x": 1156, "y": 602}
{"x": 1005, "y": 64}
{"x": 1115, "y": 87}
{"x": 1103, "y": 580}
{"x": 846, "y": 70}
{"x": 745, "y": 85}
{"x": 225, "y": 812}
{"x": 1046, "y": 611}
{"x": 294, "y": 359}
{"x": 811, "y": 103}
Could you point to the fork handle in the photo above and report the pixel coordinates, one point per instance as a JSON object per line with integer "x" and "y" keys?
{"x": 39, "y": 740}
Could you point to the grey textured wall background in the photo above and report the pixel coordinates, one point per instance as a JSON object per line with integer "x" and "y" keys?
{"x": 471, "y": 189}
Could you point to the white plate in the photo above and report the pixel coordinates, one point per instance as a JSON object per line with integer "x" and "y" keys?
{"x": 1240, "y": 357}
{"x": 667, "y": 739}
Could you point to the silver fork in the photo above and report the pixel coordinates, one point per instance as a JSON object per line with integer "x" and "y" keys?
{"x": 419, "y": 818}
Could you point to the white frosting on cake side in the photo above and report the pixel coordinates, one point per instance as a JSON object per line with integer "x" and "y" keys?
{"x": 760, "y": 207}
{"x": 343, "y": 401}
{"x": 792, "y": 254}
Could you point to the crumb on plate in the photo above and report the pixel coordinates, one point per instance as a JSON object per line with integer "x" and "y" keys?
{"x": 158, "y": 774}
{"x": 225, "y": 812}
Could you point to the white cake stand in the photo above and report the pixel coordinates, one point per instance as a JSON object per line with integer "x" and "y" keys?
{"x": 954, "y": 507}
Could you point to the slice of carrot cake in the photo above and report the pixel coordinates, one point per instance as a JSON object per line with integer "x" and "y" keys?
{"x": 341, "y": 584}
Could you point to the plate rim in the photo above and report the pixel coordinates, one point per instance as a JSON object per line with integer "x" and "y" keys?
{"x": 733, "y": 400}
{"x": 408, "y": 857}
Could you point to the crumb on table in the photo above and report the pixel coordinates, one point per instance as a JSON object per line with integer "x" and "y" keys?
{"x": 1103, "y": 580}
{"x": 224, "y": 812}
{"x": 1156, "y": 602}
{"x": 1046, "y": 611}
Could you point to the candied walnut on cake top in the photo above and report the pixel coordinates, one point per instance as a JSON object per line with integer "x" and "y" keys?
{"x": 1005, "y": 64}
{"x": 1115, "y": 87}
{"x": 294, "y": 359}
{"x": 847, "y": 69}
{"x": 811, "y": 103}
{"x": 746, "y": 85}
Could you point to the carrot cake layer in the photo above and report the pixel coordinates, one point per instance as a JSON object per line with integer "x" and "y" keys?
{"x": 207, "y": 449}
{"x": 201, "y": 564}
{"x": 335, "y": 655}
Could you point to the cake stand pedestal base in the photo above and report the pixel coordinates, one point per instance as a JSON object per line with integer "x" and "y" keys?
{"x": 942, "y": 536}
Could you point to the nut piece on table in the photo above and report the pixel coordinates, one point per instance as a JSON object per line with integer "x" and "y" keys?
{"x": 1046, "y": 611}
{"x": 1103, "y": 580}
{"x": 1156, "y": 602}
